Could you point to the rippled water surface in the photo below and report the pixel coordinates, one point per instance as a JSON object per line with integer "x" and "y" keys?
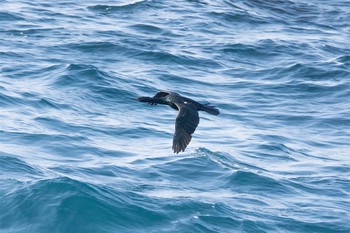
{"x": 78, "y": 155}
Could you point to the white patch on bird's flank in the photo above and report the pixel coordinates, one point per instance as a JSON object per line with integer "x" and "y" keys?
{"x": 185, "y": 102}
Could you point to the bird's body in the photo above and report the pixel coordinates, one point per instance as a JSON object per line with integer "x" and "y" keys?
{"x": 187, "y": 119}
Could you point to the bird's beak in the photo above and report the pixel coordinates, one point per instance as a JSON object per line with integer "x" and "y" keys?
{"x": 134, "y": 98}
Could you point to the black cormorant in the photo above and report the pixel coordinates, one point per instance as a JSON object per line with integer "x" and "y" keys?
{"x": 187, "y": 120}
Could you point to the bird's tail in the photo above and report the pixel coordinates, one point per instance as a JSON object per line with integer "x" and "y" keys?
{"x": 210, "y": 109}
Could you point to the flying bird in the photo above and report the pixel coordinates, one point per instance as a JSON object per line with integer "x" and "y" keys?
{"x": 187, "y": 119}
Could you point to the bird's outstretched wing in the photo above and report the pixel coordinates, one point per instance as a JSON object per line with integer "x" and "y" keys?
{"x": 186, "y": 123}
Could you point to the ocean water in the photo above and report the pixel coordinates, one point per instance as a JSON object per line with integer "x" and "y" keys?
{"x": 78, "y": 155}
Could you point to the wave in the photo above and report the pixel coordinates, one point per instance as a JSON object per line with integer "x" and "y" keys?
{"x": 13, "y": 165}
{"x": 129, "y": 7}
{"x": 58, "y": 204}
{"x": 6, "y": 16}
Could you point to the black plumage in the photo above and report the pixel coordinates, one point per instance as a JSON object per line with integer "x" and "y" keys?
{"x": 186, "y": 121}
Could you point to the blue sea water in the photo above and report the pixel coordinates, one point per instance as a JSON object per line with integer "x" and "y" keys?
{"x": 78, "y": 155}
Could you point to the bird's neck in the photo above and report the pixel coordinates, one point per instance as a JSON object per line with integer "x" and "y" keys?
{"x": 161, "y": 100}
